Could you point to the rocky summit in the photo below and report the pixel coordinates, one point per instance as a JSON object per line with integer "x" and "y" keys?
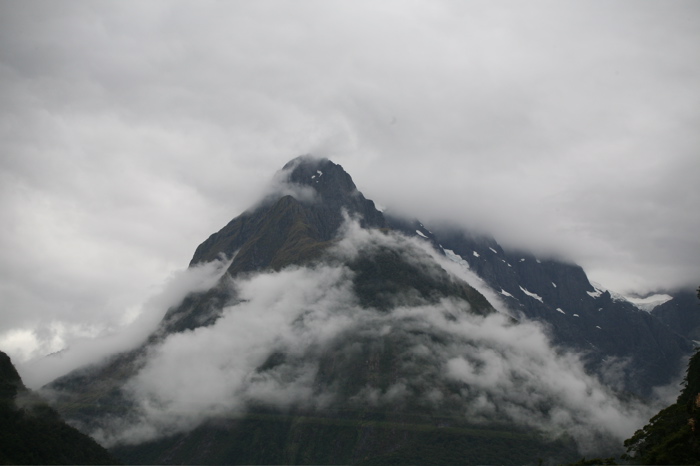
{"x": 335, "y": 334}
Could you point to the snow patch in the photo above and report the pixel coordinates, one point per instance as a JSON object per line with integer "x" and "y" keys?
{"x": 532, "y": 295}
{"x": 505, "y": 293}
{"x": 476, "y": 254}
{"x": 554, "y": 284}
{"x": 576, "y": 315}
{"x": 494, "y": 251}
{"x": 646, "y": 304}
{"x": 421, "y": 234}
{"x": 456, "y": 258}
{"x": 599, "y": 290}
{"x": 522, "y": 260}
{"x": 650, "y": 302}
{"x": 559, "y": 309}
{"x": 598, "y": 328}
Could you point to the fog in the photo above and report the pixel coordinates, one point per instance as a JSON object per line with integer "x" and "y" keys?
{"x": 478, "y": 368}
{"x": 94, "y": 348}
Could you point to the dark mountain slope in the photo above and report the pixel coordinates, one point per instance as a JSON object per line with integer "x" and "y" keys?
{"x": 681, "y": 314}
{"x": 280, "y": 439}
{"x": 624, "y": 345}
{"x": 33, "y": 433}
{"x": 285, "y": 230}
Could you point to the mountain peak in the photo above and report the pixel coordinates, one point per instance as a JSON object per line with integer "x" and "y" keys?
{"x": 310, "y": 200}
{"x": 308, "y": 160}
{"x": 328, "y": 179}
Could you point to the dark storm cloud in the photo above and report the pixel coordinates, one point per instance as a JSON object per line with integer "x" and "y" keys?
{"x": 130, "y": 131}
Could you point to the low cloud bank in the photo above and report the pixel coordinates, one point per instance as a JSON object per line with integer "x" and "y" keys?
{"x": 269, "y": 350}
{"x": 84, "y": 351}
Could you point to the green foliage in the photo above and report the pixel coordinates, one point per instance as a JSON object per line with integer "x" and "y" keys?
{"x": 673, "y": 435}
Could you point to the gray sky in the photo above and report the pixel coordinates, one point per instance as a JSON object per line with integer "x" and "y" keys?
{"x": 130, "y": 131}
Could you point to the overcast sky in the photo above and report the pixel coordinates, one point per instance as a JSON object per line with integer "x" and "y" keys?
{"x": 130, "y": 131}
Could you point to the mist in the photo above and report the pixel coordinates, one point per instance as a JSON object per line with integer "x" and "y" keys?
{"x": 80, "y": 352}
{"x": 479, "y": 368}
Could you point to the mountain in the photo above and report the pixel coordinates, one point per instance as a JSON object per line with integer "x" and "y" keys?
{"x": 681, "y": 314}
{"x": 623, "y": 344}
{"x": 336, "y": 334}
{"x": 33, "y": 433}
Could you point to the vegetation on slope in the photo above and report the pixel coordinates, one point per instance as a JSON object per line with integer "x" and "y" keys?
{"x": 33, "y": 433}
{"x": 673, "y": 435}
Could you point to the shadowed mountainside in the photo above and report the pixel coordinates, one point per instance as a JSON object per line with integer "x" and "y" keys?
{"x": 33, "y": 433}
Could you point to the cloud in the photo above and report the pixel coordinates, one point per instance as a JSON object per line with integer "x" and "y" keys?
{"x": 131, "y": 131}
{"x": 196, "y": 374}
{"x": 272, "y": 349}
{"x": 281, "y": 186}
{"x": 76, "y": 349}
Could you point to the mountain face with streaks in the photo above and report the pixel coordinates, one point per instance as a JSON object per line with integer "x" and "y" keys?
{"x": 336, "y": 334}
